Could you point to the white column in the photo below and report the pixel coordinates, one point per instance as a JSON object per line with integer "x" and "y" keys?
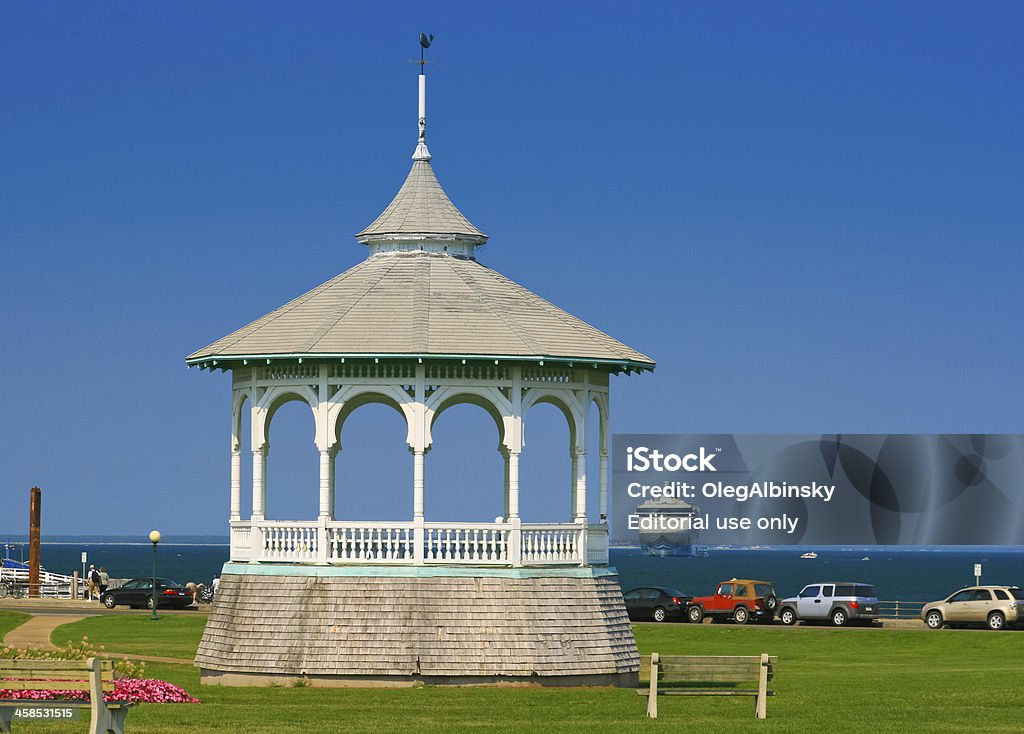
{"x": 325, "y": 483}
{"x": 513, "y": 484}
{"x": 332, "y": 511}
{"x": 504, "y": 456}
{"x": 604, "y": 416}
{"x": 236, "y": 481}
{"x": 580, "y": 465}
{"x": 259, "y": 488}
{"x": 417, "y": 483}
{"x": 573, "y": 476}
{"x": 603, "y": 498}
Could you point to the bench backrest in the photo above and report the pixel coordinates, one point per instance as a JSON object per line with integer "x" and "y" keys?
{"x": 706, "y": 669}
{"x": 57, "y": 675}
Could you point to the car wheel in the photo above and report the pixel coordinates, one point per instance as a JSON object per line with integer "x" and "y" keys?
{"x": 695, "y": 614}
{"x": 771, "y": 603}
{"x": 787, "y": 616}
{"x": 740, "y": 615}
{"x": 108, "y": 601}
{"x": 149, "y": 602}
{"x": 839, "y": 617}
{"x": 659, "y": 614}
{"x": 996, "y": 621}
{"x": 933, "y": 619}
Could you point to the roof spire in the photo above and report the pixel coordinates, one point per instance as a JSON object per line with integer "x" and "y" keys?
{"x": 421, "y": 153}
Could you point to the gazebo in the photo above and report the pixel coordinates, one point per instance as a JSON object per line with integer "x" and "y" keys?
{"x": 420, "y": 326}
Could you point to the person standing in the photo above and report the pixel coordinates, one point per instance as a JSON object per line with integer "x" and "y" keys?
{"x": 92, "y": 579}
{"x": 104, "y": 582}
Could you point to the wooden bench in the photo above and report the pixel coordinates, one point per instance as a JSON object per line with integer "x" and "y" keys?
{"x": 92, "y": 675}
{"x": 692, "y": 675}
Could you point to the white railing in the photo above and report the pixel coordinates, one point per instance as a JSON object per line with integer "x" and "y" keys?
{"x": 597, "y": 545}
{"x": 290, "y": 542}
{"x": 457, "y": 543}
{"x": 552, "y": 544}
{"x": 53, "y": 585}
{"x": 508, "y": 543}
{"x": 241, "y": 540}
{"x": 370, "y": 542}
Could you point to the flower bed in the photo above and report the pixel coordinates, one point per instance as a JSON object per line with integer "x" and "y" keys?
{"x": 139, "y": 690}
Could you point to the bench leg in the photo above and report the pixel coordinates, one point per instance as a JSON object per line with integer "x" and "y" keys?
{"x": 108, "y": 721}
{"x": 652, "y": 693}
{"x": 762, "y": 689}
{"x": 116, "y": 721}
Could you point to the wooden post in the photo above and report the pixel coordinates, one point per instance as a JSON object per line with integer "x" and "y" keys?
{"x": 762, "y": 688}
{"x": 652, "y": 694}
{"x": 35, "y": 518}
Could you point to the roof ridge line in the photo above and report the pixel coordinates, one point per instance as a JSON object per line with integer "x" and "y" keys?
{"x": 524, "y": 339}
{"x": 574, "y": 322}
{"x": 284, "y": 309}
{"x": 321, "y": 331}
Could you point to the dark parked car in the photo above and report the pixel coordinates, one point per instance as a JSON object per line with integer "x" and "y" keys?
{"x": 138, "y": 593}
{"x": 657, "y": 603}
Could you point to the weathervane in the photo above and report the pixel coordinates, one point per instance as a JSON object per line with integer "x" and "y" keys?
{"x": 425, "y": 41}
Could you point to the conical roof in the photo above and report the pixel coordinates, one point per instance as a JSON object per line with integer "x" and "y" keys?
{"x": 420, "y": 304}
{"x": 421, "y": 207}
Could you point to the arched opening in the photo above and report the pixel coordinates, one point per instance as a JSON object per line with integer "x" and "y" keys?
{"x": 464, "y": 473}
{"x": 243, "y": 432}
{"x": 293, "y": 474}
{"x": 373, "y": 468}
{"x": 545, "y": 469}
{"x": 593, "y": 462}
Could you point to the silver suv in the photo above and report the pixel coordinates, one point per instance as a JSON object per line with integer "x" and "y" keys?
{"x": 993, "y": 606}
{"x": 838, "y": 602}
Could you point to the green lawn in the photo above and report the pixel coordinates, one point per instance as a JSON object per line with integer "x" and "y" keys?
{"x": 10, "y": 620}
{"x": 171, "y": 635}
{"x": 828, "y": 679}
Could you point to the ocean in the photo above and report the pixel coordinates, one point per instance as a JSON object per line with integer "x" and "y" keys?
{"x": 906, "y": 573}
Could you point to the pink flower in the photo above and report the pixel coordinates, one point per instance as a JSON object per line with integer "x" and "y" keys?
{"x": 125, "y": 689}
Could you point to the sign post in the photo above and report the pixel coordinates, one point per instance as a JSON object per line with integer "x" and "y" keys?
{"x": 977, "y": 574}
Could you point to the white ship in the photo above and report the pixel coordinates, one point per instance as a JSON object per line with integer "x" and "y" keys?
{"x": 678, "y": 539}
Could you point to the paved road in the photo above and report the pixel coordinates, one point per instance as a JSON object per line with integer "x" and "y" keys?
{"x": 62, "y": 607}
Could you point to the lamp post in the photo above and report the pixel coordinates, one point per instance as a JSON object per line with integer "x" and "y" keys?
{"x": 154, "y": 538}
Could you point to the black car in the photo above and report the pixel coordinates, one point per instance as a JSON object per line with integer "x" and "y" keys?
{"x": 138, "y": 593}
{"x": 656, "y": 602}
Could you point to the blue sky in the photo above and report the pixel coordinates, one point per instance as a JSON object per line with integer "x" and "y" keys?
{"x": 808, "y": 213}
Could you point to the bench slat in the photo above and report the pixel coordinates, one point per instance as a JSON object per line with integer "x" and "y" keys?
{"x": 81, "y": 666}
{"x": 707, "y": 659}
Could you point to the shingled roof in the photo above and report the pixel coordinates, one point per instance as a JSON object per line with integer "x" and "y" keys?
{"x": 420, "y": 304}
{"x": 421, "y": 207}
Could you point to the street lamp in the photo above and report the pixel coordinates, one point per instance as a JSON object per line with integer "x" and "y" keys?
{"x": 154, "y": 538}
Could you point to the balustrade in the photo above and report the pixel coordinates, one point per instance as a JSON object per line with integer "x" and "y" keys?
{"x": 457, "y": 544}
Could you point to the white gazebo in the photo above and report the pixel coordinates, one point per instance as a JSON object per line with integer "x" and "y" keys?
{"x": 420, "y": 326}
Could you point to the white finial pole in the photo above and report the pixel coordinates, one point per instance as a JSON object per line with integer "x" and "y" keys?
{"x": 422, "y": 154}
{"x": 423, "y": 107}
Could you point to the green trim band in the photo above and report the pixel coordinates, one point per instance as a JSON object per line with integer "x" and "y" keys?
{"x": 524, "y": 359}
{"x": 283, "y": 569}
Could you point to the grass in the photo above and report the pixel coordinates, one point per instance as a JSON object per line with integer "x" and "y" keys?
{"x": 171, "y": 635}
{"x": 870, "y": 680}
{"x": 10, "y": 620}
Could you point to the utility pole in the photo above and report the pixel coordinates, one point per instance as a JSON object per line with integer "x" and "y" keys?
{"x": 34, "y": 520}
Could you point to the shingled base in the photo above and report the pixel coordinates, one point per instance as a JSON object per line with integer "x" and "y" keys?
{"x": 358, "y": 627}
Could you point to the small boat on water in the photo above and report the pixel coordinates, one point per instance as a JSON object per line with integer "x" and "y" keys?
{"x": 809, "y": 554}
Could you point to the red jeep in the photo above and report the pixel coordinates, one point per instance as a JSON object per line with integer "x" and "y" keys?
{"x": 737, "y": 599}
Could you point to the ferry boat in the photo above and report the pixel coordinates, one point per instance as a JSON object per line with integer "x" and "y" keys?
{"x": 810, "y": 554}
{"x": 680, "y": 540}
